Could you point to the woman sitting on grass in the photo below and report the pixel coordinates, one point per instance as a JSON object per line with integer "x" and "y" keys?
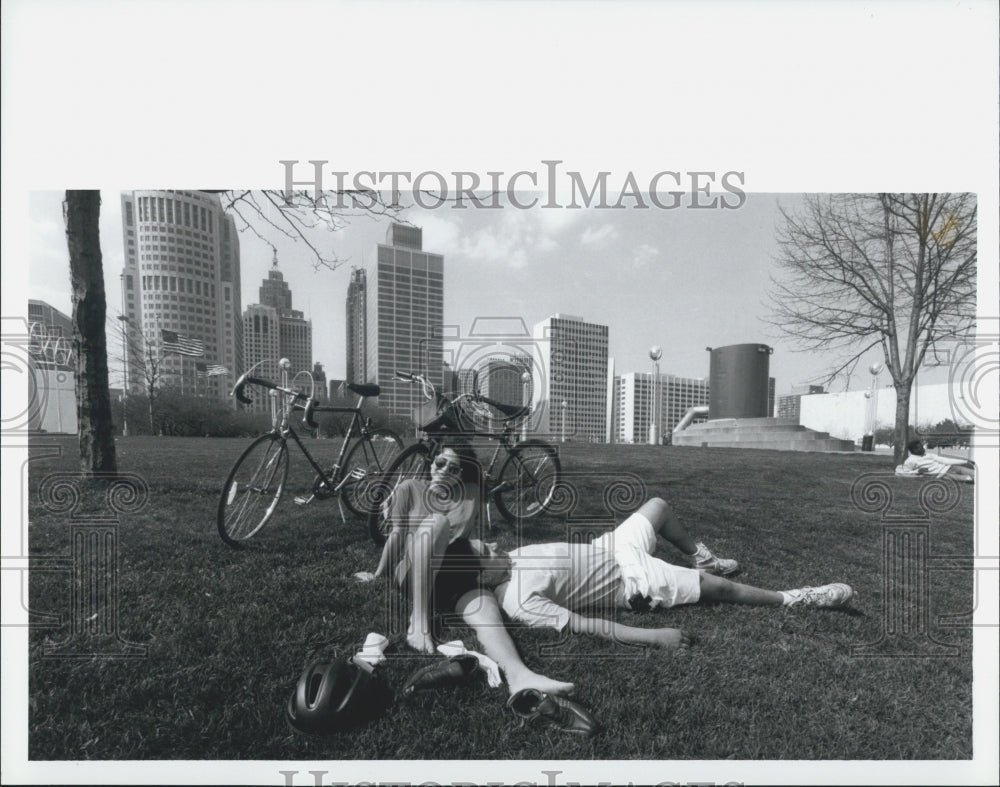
{"x": 431, "y": 559}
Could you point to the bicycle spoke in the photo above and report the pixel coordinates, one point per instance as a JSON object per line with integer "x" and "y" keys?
{"x": 365, "y": 464}
{"x": 527, "y": 480}
{"x": 253, "y": 489}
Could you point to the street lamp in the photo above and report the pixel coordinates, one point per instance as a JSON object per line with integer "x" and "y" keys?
{"x": 125, "y": 345}
{"x": 563, "y": 406}
{"x": 868, "y": 442}
{"x": 655, "y": 353}
{"x": 525, "y": 401}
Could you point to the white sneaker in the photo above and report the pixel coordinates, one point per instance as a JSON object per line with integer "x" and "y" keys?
{"x": 833, "y": 595}
{"x": 704, "y": 560}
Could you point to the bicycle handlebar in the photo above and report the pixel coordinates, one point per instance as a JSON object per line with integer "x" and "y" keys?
{"x": 245, "y": 379}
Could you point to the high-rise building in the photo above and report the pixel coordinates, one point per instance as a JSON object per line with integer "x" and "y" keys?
{"x": 404, "y": 318}
{"x": 501, "y": 379}
{"x": 182, "y": 275}
{"x": 572, "y": 399}
{"x": 633, "y": 397}
{"x": 272, "y": 329}
{"x": 790, "y": 406}
{"x": 261, "y": 342}
{"x": 357, "y": 297}
{"x": 295, "y": 331}
{"x": 321, "y": 393}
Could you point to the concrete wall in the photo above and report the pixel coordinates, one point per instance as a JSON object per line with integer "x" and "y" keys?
{"x": 843, "y": 414}
{"x": 53, "y": 402}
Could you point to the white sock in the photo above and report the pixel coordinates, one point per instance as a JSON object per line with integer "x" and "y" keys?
{"x": 786, "y": 598}
{"x": 700, "y": 550}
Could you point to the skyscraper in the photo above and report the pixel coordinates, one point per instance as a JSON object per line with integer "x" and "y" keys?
{"x": 261, "y": 342}
{"x": 272, "y": 329}
{"x": 404, "y": 318}
{"x": 357, "y": 297}
{"x": 633, "y": 399}
{"x": 575, "y": 367}
{"x": 501, "y": 379}
{"x": 181, "y": 274}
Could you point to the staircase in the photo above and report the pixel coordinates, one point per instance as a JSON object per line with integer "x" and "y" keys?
{"x": 776, "y": 434}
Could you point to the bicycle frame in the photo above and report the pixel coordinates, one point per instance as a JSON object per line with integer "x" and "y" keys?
{"x": 357, "y": 423}
{"x": 434, "y": 440}
{"x": 280, "y": 424}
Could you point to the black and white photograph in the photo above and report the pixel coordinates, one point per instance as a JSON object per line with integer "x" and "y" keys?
{"x": 554, "y": 393}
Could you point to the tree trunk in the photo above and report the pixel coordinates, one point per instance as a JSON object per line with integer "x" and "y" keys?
{"x": 902, "y": 431}
{"x": 93, "y": 400}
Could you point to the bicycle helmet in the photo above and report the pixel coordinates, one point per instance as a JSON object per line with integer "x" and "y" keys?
{"x": 336, "y": 696}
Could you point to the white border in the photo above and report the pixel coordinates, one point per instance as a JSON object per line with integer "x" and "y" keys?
{"x": 800, "y": 96}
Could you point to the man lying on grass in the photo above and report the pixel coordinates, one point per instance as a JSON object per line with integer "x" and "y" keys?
{"x": 918, "y": 463}
{"x": 560, "y": 585}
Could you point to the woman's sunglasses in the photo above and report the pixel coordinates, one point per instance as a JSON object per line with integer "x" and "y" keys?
{"x": 442, "y": 463}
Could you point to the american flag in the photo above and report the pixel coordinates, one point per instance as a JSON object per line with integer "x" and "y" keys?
{"x": 174, "y": 342}
{"x": 209, "y": 369}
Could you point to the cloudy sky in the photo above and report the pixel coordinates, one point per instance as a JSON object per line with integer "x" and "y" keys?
{"x": 683, "y": 279}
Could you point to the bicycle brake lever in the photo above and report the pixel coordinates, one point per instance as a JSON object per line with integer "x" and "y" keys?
{"x": 307, "y": 417}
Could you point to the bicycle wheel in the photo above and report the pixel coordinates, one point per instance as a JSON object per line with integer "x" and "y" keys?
{"x": 412, "y": 463}
{"x": 527, "y": 480}
{"x": 253, "y": 489}
{"x": 369, "y": 458}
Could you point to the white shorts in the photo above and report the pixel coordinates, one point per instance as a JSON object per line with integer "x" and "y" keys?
{"x": 664, "y": 584}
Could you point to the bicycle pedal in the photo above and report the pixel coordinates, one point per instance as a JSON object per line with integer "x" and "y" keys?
{"x": 303, "y": 501}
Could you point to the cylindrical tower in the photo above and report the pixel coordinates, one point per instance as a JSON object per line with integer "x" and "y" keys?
{"x": 738, "y": 381}
{"x": 182, "y": 274}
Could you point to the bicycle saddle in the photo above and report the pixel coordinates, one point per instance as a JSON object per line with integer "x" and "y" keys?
{"x": 364, "y": 389}
{"x": 509, "y": 410}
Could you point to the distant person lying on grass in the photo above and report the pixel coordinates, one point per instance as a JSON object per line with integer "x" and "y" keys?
{"x": 561, "y": 585}
{"x": 918, "y": 463}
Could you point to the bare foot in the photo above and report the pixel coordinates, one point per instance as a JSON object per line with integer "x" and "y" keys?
{"x": 421, "y": 642}
{"x": 671, "y": 639}
{"x": 532, "y": 680}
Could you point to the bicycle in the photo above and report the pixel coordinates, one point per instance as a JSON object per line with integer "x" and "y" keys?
{"x": 525, "y": 485}
{"x": 256, "y": 482}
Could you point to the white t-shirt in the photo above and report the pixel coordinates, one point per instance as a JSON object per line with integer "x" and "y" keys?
{"x": 548, "y": 580}
{"x": 929, "y": 465}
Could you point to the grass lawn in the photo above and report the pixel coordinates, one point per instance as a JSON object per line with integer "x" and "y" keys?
{"x": 227, "y": 632}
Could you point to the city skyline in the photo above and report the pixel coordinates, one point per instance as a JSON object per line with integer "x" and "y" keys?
{"x": 682, "y": 279}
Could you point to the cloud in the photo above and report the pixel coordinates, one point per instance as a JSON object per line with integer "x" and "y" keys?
{"x": 555, "y": 220}
{"x": 595, "y": 235}
{"x": 438, "y": 233}
{"x": 644, "y": 255}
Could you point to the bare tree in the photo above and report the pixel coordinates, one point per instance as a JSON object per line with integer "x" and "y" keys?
{"x": 859, "y": 271}
{"x": 93, "y": 401}
{"x": 144, "y": 360}
{"x": 303, "y": 217}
